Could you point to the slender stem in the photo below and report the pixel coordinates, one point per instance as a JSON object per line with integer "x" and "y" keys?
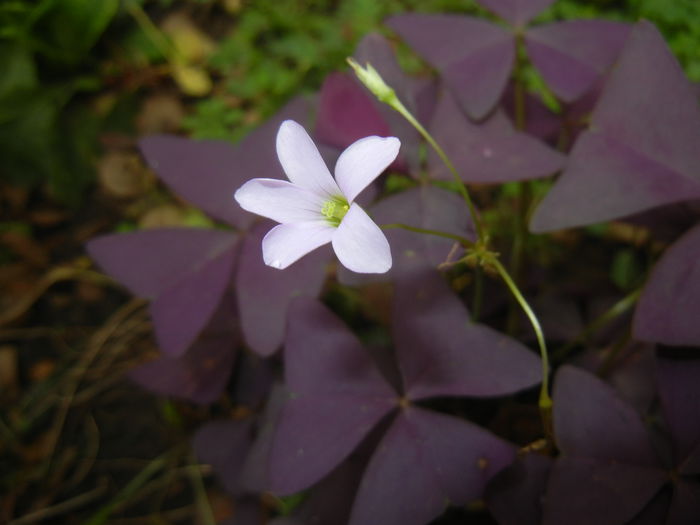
{"x": 398, "y": 106}
{"x": 545, "y": 401}
{"x": 599, "y": 322}
{"x": 437, "y": 233}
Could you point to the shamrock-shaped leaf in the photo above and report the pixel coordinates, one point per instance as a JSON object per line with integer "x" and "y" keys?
{"x": 338, "y": 396}
{"x": 668, "y": 308}
{"x": 641, "y": 151}
{"x": 606, "y": 448}
{"x": 474, "y": 57}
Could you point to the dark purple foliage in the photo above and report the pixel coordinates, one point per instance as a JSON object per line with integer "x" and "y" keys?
{"x": 337, "y": 396}
{"x": 606, "y": 448}
{"x": 668, "y": 309}
{"x": 641, "y": 150}
{"x": 475, "y": 58}
{"x": 184, "y": 271}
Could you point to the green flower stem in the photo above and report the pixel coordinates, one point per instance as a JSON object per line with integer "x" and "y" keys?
{"x": 545, "y": 402}
{"x": 616, "y": 310}
{"x": 463, "y": 240}
{"x": 399, "y": 107}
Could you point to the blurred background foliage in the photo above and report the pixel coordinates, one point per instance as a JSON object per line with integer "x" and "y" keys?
{"x": 73, "y": 70}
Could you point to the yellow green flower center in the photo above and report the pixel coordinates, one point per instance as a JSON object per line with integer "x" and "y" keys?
{"x": 335, "y": 209}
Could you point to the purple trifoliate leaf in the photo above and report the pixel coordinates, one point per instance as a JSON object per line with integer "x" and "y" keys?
{"x": 679, "y": 389}
{"x": 514, "y": 496}
{"x": 207, "y": 173}
{"x": 592, "y": 422}
{"x": 336, "y": 397}
{"x": 442, "y": 353}
{"x": 582, "y": 491}
{"x": 669, "y": 307}
{"x": 225, "y": 445}
{"x": 517, "y": 12}
{"x": 425, "y": 461}
{"x": 491, "y": 152}
{"x": 474, "y": 57}
{"x": 641, "y": 151}
{"x": 148, "y": 262}
{"x": 264, "y": 293}
{"x": 572, "y": 55}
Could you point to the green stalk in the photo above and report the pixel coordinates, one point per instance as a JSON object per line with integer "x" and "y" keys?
{"x": 545, "y": 402}
{"x": 463, "y": 240}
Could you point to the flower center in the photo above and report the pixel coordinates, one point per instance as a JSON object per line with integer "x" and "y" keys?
{"x": 335, "y": 209}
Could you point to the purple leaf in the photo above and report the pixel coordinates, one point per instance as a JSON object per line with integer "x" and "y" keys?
{"x": 517, "y": 12}
{"x": 264, "y": 293}
{"x": 572, "y": 55}
{"x": 207, "y": 173}
{"x": 200, "y": 375}
{"x": 679, "y": 389}
{"x": 423, "y": 462}
{"x": 641, "y": 151}
{"x": 148, "y": 262}
{"x": 442, "y": 353}
{"x": 225, "y": 445}
{"x": 582, "y": 491}
{"x": 592, "y": 422}
{"x": 668, "y": 308}
{"x": 474, "y": 57}
{"x": 490, "y": 152}
{"x": 182, "y": 311}
{"x": 336, "y": 396}
{"x": 515, "y": 494}
{"x": 346, "y": 113}
{"x": 184, "y": 270}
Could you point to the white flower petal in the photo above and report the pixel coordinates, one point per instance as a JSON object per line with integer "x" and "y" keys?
{"x": 287, "y": 243}
{"x": 280, "y": 201}
{"x": 362, "y": 162}
{"x": 302, "y": 162}
{"x": 359, "y": 243}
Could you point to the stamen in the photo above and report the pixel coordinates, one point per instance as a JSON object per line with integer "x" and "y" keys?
{"x": 334, "y": 210}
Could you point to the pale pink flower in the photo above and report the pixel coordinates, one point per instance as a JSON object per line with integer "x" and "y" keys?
{"x": 314, "y": 208}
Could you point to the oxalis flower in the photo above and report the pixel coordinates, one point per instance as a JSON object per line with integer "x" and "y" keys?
{"x": 314, "y": 208}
